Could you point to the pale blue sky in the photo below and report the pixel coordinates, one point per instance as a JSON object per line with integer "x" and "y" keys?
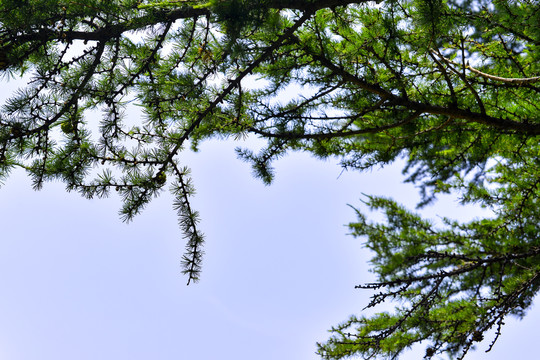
{"x": 279, "y": 271}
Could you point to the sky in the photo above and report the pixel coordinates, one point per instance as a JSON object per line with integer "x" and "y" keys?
{"x": 279, "y": 270}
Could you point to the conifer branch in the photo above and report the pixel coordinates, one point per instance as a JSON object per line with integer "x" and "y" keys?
{"x": 520, "y": 81}
{"x": 234, "y": 83}
{"x": 340, "y": 133}
{"x": 526, "y": 127}
{"x": 188, "y": 219}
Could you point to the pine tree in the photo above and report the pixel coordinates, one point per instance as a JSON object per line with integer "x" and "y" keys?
{"x": 450, "y": 86}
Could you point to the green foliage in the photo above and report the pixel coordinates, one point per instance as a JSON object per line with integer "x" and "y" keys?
{"x": 449, "y": 86}
{"x": 456, "y": 282}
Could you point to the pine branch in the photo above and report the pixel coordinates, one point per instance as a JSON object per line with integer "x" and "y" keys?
{"x": 188, "y": 219}
{"x": 520, "y": 81}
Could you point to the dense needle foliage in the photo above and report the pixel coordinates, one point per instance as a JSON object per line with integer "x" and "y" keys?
{"x": 449, "y": 85}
